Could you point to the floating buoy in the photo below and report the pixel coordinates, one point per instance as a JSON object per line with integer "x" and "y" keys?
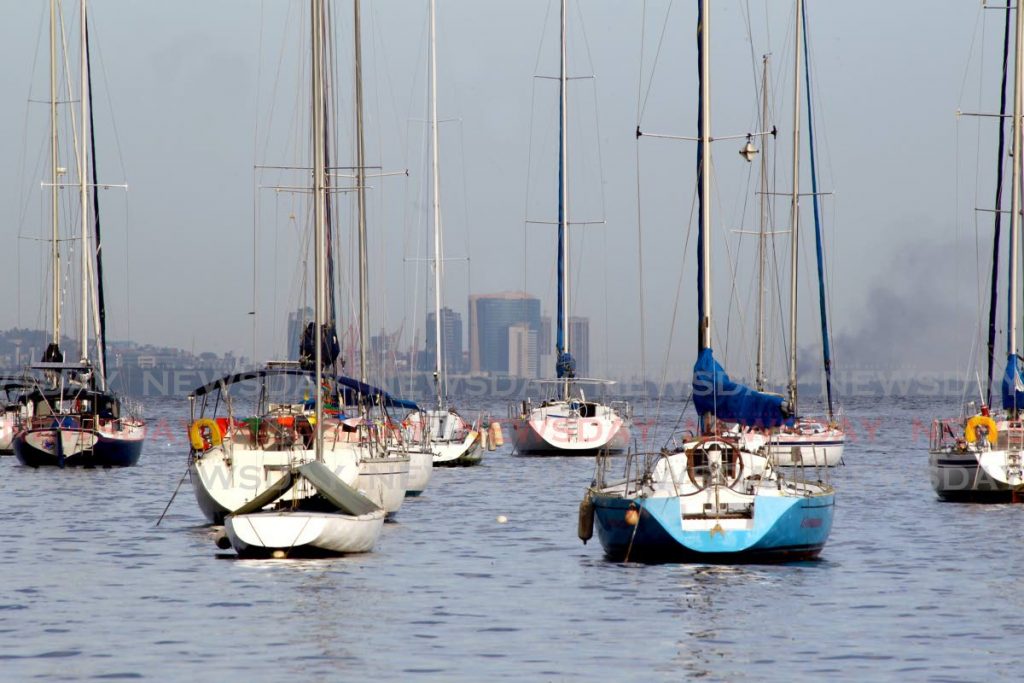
{"x": 497, "y": 438}
{"x": 632, "y": 516}
{"x": 222, "y": 541}
{"x": 502, "y": 519}
{"x": 586, "y": 527}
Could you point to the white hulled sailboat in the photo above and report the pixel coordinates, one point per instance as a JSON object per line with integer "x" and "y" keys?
{"x": 567, "y": 421}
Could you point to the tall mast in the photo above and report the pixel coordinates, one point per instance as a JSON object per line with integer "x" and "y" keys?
{"x": 998, "y": 215}
{"x": 826, "y": 351}
{"x": 704, "y": 177}
{"x": 84, "y": 194}
{"x": 319, "y": 208}
{"x": 436, "y": 179}
{"x": 1018, "y": 109}
{"x": 762, "y": 254}
{"x": 361, "y": 199}
{"x": 795, "y": 208}
{"x": 563, "y": 204}
{"x": 54, "y": 221}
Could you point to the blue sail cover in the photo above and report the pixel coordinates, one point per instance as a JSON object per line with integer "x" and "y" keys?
{"x": 715, "y": 393}
{"x": 1013, "y": 384}
{"x": 353, "y": 388}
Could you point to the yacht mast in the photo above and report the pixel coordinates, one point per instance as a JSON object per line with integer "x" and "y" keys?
{"x": 319, "y": 208}
{"x": 795, "y": 208}
{"x": 54, "y": 172}
{"x": 704, "y": 177}
{"x": 762, "y": 254}
{"x": 84, "y": 186}
{"x": 439, "y": 369}
{"x": 361, "y": 199}
{"x": 1018, "y": 110}
{"x": 563, "y": 205}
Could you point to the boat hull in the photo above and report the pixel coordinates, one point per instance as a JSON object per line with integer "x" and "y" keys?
{"x": 385, "y": 480}
{"x": 569, "y": 436}
{"x": 972, "y": 476}
{"x": 807, "y": 451}
{"x": 72, "y": 447}
{"x": 421, "y": 467}
{"x": 8, "y": 420}
{"x": 302, "y": 534}
{"x": 465, "y": 453}
{"x": 781, "y": 529}
{"x": 224, "y": 479}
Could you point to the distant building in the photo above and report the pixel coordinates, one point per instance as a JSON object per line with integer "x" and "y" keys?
{"x": 296, "y": 324}
{"x": 579, "y": 344}
{"x": 490, "y": 317}
{"x": 451, "y": 334}
{"x": 522, "y": 351}
{"x": 545, "y": 349}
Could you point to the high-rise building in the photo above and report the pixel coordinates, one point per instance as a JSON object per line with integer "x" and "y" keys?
{"x": 545, "y": 349}
{"x": 490, "y": 317}
{"x": 522, "y": 351}
{"x": 451, "y": 334}
{"x": 579, "y": 344}
{"x": 297, "y": 321}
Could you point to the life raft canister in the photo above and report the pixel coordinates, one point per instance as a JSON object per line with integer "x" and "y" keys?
{"x": 204, "y": 441}
{"x": 971, "y": 431}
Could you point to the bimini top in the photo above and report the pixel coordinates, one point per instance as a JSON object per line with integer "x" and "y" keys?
{"x": 352, "y": 387}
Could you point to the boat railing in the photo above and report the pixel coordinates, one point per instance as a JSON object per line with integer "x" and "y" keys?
{"x": 946, "y": 433}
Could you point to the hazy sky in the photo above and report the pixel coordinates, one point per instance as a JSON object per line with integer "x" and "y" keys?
{"x": 202, "y": 91}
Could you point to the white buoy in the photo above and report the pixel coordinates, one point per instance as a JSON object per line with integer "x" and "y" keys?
{"x": 502, "y": 519}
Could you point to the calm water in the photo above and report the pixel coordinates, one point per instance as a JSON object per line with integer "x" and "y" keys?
{"x": 908, "y": 588}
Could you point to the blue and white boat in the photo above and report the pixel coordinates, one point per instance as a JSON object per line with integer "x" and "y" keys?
{"x": 719, "y": 497}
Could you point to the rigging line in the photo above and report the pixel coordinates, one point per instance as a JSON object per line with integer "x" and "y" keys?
{"x": 657, "y": 54}
{"x": 998, "y": 206}
{"x": 529, "y": 167}
{"x": 675, "y": 307}
{"x": 543, "y": 36}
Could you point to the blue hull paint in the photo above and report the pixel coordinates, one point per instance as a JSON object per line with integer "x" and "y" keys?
{"x": 106, "y": 453}
{"x": 784, "y": 530}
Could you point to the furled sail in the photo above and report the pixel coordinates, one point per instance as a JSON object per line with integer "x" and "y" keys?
{"x": 1013, "y": 384}
{"x": 716, "y": 394}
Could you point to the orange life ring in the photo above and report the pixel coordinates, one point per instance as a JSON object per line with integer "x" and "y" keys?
{"x": 971, "y": 431}
{"x": 204, "y": 434}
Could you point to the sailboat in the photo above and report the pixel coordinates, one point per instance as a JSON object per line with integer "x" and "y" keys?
{"x": 12, "y": 411}
{"x": 323, "y": 515}
{"x": 718, "y": 497}
{"x": 808, "y": 441}
{"x": 233, "y": 462}
{"x": 441, "y": 429}
{"x": 392, "y": 460}
{"x": 567, "y": 421}
{"x": 70, "y": 417}
{"x": 979, "y": 456}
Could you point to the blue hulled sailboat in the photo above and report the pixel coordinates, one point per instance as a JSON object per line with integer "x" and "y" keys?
{"x": 718, "y": 497}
